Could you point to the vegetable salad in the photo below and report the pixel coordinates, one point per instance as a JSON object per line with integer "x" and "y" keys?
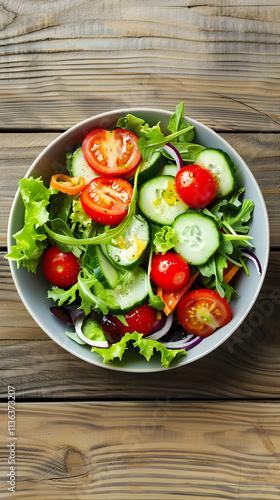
{"x": 139, "y": 238}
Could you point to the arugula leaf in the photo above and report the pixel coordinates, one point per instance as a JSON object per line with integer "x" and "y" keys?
{"x": 151, "y": 138}
{"x": 231, "y": 214}
{"x": 146, "y": 349}
{"x": 91, "y": 292}
{"x": 156, "y": 140}
{"x": 177, "y": 122}
{"x": 61, "y": 227}
{"x": 212, "y": 276}
{"x": 31, "y": 239}
{"x": 60, "y": 206}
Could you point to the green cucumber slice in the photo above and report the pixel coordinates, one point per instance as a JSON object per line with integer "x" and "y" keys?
{"x": 80, "y": 168}
{"x": 159, "y": 201}
{"x": 197, "y": 237}
{"x": 149, "y": 169}
{"x": 169, "y": 170}
{"x": 128, "y": 249}
{"x": 132, "y": 295}
{"x": 103, "y": 270}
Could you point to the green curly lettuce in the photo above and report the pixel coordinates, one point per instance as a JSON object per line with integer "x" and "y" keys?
{"x": 146, "y": 348}
{"x": 31, "y": 240}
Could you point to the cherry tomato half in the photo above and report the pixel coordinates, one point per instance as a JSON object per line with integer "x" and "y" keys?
{"x": 106, "y": 199}
{"x": 140, "y": 320}
{"x": 196, "y": 186}
{"x": 60, "y": 269}
{"x": 111, "y": 152}
{"x": 169, "y": 271}
{"x": 202, "y": 311}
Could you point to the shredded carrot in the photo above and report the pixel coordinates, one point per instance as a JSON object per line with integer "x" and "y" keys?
{"x": 230, "y": 271}
{"x": 171, "y": 298}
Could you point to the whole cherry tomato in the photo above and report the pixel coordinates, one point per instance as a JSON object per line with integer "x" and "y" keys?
{"x": 196, "y": 186}
{"x": 169, "y": 271}
{"x": 140, "y": 320}
{"x": 60, "y": 269}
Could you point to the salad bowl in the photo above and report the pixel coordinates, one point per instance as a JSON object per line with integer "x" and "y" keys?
{"x": 33, "y": 288}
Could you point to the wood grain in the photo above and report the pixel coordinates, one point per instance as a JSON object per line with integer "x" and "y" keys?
{"x": 246, "y": 366}
{"x": 157, "y": 450}
{"x": 72, "y": 61}
{"x": 260, "y": 151}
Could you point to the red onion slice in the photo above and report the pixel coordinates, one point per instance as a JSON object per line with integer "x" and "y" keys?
{"x": 165, "y": 328}
{"x": 186, "y": 343}
{"x": 159, "y": 324}
{"x": 172, "y": 151}
{"x": 94, "y": 343}
{"x": 61, "y": 314}
{"x": 254, "y": 258}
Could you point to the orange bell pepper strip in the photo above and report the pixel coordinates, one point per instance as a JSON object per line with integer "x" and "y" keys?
{"x": 230, "y": 271}
{"x": 171, "y": 298}
{"x": 66, "y": 184}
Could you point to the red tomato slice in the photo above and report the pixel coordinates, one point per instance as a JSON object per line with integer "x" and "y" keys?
{"x": 196, "y": 186}
{"x": 140, "y": 320}
{"x": 60, "y": 269}
{"x": 111, "y": 152}
{"x": 202, "y": 311}
{"x": 106, "y": 199}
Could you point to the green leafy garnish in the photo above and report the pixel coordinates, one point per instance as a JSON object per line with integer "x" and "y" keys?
{"x": 90, "y": 291}
{"x": 177, "y": 123}
{"x": 231, "y": 214}
{"x": 31, "y": 239}
{"x": 146, "y": 348}
{"x": 163, "y": 238}
{"x": 151, "y": 138}
{"x": 78, "y": 215}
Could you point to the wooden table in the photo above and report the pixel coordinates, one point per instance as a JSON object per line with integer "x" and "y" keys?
{"x": 205, "y": 431}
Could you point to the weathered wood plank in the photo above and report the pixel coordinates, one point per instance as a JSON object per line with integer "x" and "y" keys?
{"x": 246, "y": 366}
{"x": 260, "y": 151}
{"x": 160, "y": 449}
{"x": 72, "y": 61}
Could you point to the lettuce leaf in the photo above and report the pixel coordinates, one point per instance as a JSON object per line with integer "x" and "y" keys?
{"x": 163, "y": 239}
{"x": 31, "y": 239}
{"x": 146, "y": 348}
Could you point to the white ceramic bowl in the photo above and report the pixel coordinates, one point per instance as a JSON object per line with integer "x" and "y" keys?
{"x": 33, "y": 288}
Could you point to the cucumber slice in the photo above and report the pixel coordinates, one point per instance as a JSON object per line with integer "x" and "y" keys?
{"x": 159, "y": 201}
{"x": 80, "y": 168}
{"x": 197, "y": 237}
{"x": 169, "y": 170}
{"x": 104, "y": 271}
{"x": 128, "y": 249}
{"x": 132, "y": 295}
{"x": 222, "y": 167}
{"x": 149, "y": 169}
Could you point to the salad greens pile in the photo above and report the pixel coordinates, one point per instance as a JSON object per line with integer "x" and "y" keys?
{"x": 54, "y": 218}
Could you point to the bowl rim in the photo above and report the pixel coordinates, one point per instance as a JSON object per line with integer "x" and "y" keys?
{"x": 183, "y": 361}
